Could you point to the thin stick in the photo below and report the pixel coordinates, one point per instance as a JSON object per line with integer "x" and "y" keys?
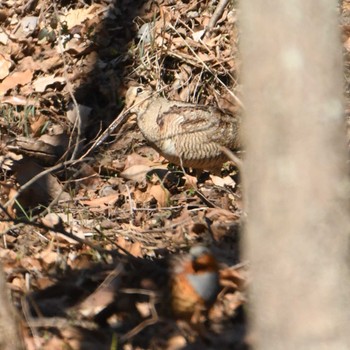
{"x": 40, "y": 175}
{"x": 121, "y": 118}
{"x": 239, "y": 102}
{"x": 232, "y": 157}
{"x": 216, "y": 15}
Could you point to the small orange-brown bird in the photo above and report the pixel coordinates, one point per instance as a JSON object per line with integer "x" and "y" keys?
{"x": 194, "y": 283}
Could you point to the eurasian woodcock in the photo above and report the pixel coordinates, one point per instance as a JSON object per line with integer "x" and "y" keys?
{"x": 186, "y": 134}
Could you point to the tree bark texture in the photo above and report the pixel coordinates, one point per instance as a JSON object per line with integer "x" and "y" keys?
{"x": 295, "y": 175}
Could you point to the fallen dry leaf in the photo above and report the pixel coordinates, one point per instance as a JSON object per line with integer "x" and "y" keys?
{"x": 84, "y": 113}
{"x": 144, "y": 309}
{"x": 43, "y": 190}
{"x": 51, "y": 220}
{"x": 142, "y": 197}
{"x": 191, "y": 181}
{"x": 134, "y": 248}
{"x": 78, "y": 16}
{"x": 102, "y": 202}
{"x": 3, "y": 38}
{"x": 42, "y": 83}
{"x": 135, "y": 159}
{"x": 136, "y": 172}
{"x": 161, "y": 194}
{"x": 14, "y": 80}
{"x": 223, "y": 181}
{"x": 19, "y": 100}
{"x": 48, "y": 256}
{"x": 176, "y": 342}
{"x": 27, "y": 26}
{"x": 64, "y": 238}
{"x": 4, "y": 226}
{"x": 97, "y": 301}
{"x": 5, "y": 66}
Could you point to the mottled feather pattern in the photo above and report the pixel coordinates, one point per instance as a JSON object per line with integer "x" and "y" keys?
{"x": 185, "y": 133}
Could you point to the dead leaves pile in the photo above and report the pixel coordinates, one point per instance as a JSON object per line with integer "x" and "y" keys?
{"x": 175, "y": 50}
{"x": 31, "y": 61}
{"x": 69, "y": 217}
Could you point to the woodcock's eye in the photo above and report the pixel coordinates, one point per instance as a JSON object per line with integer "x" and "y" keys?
{"x": 139, "y": 90}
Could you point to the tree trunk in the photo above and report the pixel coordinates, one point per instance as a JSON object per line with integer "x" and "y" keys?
{"x": 295, "y": 175}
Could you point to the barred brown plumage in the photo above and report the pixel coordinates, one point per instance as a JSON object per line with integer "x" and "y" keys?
{"x": 186, "y": 134}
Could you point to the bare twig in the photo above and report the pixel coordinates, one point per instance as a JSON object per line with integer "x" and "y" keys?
{"x": 232, "y": 157}
{"x": 120, "y": 120}
{"x": 216, "y": 15}
{"x": 122, "y": 117}
{"x": 40, "y": 175}
{"x": 148, "y": 322}
{"x": 58, "y": 229}
{"x": 238, "y": 101}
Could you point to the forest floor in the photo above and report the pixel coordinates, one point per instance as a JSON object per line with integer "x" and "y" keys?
{"x": 86, "y": 223}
